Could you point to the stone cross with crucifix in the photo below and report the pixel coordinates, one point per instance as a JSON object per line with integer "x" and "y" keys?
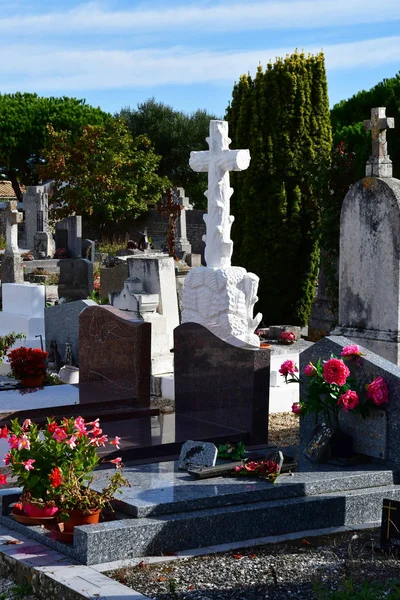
{"x": 12, "y": 263}
{"x": 379, "y": 163}
{"x": 218, "y": 161}
{"x": 219, "y": 296}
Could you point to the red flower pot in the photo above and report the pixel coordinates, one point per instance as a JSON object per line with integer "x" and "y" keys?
{"x": 77, "y": 517}
{"x": 32, "y": 381}
{"x": 36, "y": 511}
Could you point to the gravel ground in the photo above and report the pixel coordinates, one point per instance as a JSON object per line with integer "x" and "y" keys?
{"x": 283, "y": 429}
{"x": 302, "y": 570}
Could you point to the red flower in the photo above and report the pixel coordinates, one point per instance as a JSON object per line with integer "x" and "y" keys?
{"x": 51, "y": 427}
{"x": 378, "y": 392}
{"x": 348, "y": 401}
{"x": 4, "y": 432}
{"x": 287, "y": 336}
{"x": 310, "y": 370}
{"x": 352, "y": 350}
{"x": 55, "y": 477}
{"x": 297, "y": 408}
{"x": 3, "y": 479}
{"x": 335, "y": 371}
{"x": 288, "y": 368}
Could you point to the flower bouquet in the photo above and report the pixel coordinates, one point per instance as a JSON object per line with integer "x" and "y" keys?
{"x": 28, "y": 365}
{"x": 287, "y": 337}
{"x": 54, "y": 468}
{"x": 331, "y": 388}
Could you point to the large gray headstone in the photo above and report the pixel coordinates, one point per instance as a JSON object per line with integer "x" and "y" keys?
{"x": 73, "y": 237}
{"x": 378, "y": 436}
{"x": 62, "y": 326}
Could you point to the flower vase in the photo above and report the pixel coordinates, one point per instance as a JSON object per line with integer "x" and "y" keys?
{"x": 32, "y": 381}
{"x": 78, "y": 517}
{"x": 36, "y": 511}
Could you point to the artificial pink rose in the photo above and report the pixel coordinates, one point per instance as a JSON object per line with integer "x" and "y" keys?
{"x": 310, "y": 370}
{"x": 335, "y": 371}
{"x": 352, "y": 350}
{"x": 377, "y": 391}
{"x": 288, "y": 368}
{"x": 296, "y": 408}
{"x": 348, "y": 400}
{"x": 287, "y": 336}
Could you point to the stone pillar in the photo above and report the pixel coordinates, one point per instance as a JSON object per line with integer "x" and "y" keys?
{"x": 183, "y": 246}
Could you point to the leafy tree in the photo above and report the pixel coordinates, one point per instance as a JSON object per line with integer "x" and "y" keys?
{"x": 104, "y": 173}
{"x": 174, "y": 135}
{"x": 23, "y": 131}
{"x": 282, "y": 116}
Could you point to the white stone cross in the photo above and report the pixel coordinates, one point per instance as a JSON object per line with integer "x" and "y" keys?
{"x": 379, "y": 163}
{"x": 218, "y": 161}
{"x": 13, "y": 218}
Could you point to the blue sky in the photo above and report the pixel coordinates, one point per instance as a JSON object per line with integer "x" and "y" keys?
{"x": 188, "y": 53}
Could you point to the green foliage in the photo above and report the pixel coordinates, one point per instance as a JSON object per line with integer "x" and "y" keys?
{"x": 111, "y": 245}
{"x": 6, "y": 341}
{"x": 232, "y": 451}
{"x": 282, "y": 116}
{"x": 349, "y": 590}
{"x": 174, "y": 135}
{"x": 23, "y": 131}
{"x": 110, "y": 175}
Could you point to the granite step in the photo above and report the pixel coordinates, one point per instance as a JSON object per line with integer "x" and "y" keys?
{"x": 172, "y": 533}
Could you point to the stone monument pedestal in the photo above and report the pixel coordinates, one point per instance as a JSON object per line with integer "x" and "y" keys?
{"x": 11, "y": 268}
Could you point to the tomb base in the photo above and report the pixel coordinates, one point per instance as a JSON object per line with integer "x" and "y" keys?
{"x": 384, "y": 343}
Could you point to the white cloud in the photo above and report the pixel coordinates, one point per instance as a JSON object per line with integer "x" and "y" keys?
{"x": 49, "y": 70}
{"x": 222, "y": 16}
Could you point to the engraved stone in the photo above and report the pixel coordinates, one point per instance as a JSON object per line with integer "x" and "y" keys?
{"x": 197, "y": 454}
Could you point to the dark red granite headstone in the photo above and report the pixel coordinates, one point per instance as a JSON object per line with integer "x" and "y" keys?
{"x": 114, "y": 356}
{"x": 217, "y": 384}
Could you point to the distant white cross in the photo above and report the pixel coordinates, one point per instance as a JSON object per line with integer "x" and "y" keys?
{"x": 218, "y": 161}
{"x": 378, "y": 124}
{"x": 13, "y": 218}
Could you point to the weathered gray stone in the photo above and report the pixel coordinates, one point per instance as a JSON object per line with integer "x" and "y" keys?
{"x": 379, "y": 163}
{"x": 62, "y": 325}
{"x": 73, "y": 237}
{"x": 199, "y": 454}
{"x": 36, "y": 209}
{"x": 42, "y": 245}
{"x": 76, "y": 278}
{"x": 11, "y": 263}
{"x": 369, "y": 271}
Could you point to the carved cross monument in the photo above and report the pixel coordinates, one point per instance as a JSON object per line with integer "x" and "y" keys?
{"x": 12, "y": 264}
{"x": 379, "y": 163}
{"x": 218, "y": 161}
{"x": 219, "y": 296}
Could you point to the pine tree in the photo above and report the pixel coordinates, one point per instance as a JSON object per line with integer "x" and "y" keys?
{"x": 282, "y": 116}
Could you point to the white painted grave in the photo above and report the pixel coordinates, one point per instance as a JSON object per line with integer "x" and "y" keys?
{"x": 219, "y": 296}
{"x": 23, "y": 312}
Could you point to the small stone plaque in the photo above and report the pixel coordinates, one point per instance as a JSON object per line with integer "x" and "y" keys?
{"x": 197, "y": 454}
{"x": 318, "y": 444}
{"x": 390, "y": 525}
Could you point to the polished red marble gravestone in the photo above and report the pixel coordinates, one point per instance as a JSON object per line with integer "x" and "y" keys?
{"x": 114, "y": 355}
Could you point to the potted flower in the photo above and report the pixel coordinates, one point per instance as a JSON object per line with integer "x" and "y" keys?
{"x": 28, "y": 365}
{"x": 54, "y": 467}
{"x": 331, "y": 388}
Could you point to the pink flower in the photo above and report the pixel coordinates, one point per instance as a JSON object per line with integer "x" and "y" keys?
{"x": 287, "y": 368}
{"x": 348, "y": 400}
{"x": 99, "y": 441}
{"x": 353, "y": 350}
{"x": 116, "y": 461}
{"x": 7, "y": 458}
{"x": 80, "y": 425}
{"x": 116, "y": 442}
{"x": 296, "y": 408}
{"x": 26, "y": 424}
{"x": 71, "y": 442}
{"x": 23, "y": 443}
{"x": 377, "y": 391}
{"x": 335, "y": 371}
{"x": 28, "y": 464}
{"x": 13, "y": 441}
{"x": 4, "y": 432}
{"x": 310, "y": 370}
{"x": 59, "y": 434}
{"x": 287, "y": 336}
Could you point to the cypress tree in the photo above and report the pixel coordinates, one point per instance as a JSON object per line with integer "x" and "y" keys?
{"x": 282, "y": 116}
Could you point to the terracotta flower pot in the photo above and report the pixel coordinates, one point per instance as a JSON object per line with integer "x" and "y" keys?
{"x": 36, "y": 511}
{"x": 32, "y": 381}
{"x": 77, "y": 517}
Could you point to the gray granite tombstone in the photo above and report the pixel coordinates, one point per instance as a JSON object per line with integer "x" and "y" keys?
{"x": 377, "y": 436}
{"x": 217, "y": 384}
{"x": 73, "y": 227}
{"x": 62, "y": 326}
{"x": 76, "y": 278}
{"x": 42, "y": 245}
